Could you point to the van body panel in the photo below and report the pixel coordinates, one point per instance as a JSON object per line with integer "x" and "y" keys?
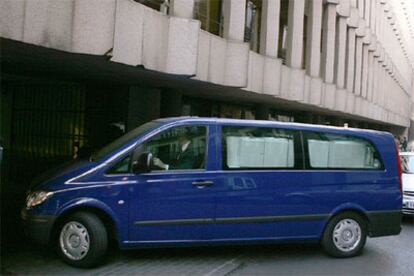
{"x": 239, "y": 205}
{"x": 171, "y": 208}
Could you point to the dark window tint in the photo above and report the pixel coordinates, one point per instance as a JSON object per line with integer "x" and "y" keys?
{"x": 332, "y": 151}
{"x": 258, "y": 148}
{"x": 121, "y": 167}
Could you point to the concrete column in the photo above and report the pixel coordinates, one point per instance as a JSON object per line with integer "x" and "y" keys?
{"x": 386, "y": 91}
{"x": 234, "y": 12}
{"x": 360, "y": 7}
{"x": 384, "y": 22}
{"x": 381, "y": 86}
{"x": 358, "y": 66}
{"x": 367, "y": 12}
{"x": 373, "y": 85}
{"x": 353, "y": 3}
{"x": 313, "y": 38}
{"x": 360, "y": 32}
{"x": 372, "y": 70}
{"x": 373, "y": 15}
{"x": 269, "y": 33}
{"x": 328, "y": 42}
{"x": 374, "y": 92}
{"x": 295, "y": 33}
{"x": 340, "y": 57}
{"x": 171, "y": 103}
{"x": 343, "y": 12}
{"x": 182, "y": 8}
{"x": 364, "y": 78}
{"x": 262, "y": 112}
{"x": 384, "y": 88}
{"x": 353, "y": 23}
{"x": 377, "y": 16}
{"x": 350, "y": 66}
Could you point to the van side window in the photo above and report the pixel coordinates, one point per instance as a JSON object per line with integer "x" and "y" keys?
{"x": 178, "y": 148}
{"x": 332, "y": 151}
{"x": 257, "y": 148}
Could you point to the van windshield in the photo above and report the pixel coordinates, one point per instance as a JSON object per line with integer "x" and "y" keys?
{"x": 124, "y": 139}
{"x": 407, "y": 163}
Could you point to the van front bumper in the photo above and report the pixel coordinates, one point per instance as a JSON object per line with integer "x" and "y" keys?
{"x": 38, "y": 228}
{"x": 384, "y": 223}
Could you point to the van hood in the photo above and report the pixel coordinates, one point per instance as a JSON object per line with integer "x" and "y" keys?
{"x": 54, "y": 178}
{"x": 408, "y": 182}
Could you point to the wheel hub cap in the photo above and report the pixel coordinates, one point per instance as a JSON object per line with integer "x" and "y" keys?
{"x": 347, "y": 235}
{"x": 74, "y": 240}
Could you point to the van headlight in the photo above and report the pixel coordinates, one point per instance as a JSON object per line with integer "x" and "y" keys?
{"x": 37, "y": 198}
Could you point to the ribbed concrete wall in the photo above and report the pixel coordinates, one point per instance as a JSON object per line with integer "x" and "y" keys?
{"x": 81, "y": 26}
{"x": 373, "y": 79}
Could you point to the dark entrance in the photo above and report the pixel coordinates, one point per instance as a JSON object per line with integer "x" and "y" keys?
{"x": 48, "y": 124}
{"x": 45, "y": 124}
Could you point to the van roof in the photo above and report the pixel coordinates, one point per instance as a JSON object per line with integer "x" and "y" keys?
{"x": 314, "y": 127}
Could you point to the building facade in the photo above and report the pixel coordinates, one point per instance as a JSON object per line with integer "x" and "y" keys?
{"x": 348, "y": 56}
{"x": 77, "y": 73}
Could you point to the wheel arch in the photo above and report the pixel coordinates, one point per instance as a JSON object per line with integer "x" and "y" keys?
{"x": 101, "y": 210}
{"x": 353, "y": 208}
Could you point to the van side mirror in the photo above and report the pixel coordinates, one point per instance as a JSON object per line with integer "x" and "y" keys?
{"x": 144, "y": 163}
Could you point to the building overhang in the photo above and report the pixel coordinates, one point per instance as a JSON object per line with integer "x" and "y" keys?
{"x": 21, "y": 61}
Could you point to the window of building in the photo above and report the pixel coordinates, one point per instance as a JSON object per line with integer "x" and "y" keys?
{"x": 179, "y": 148}
{"x": 305, "y": 34}
{"x": 253, "y": 24}
{"x": 158, "y": 5}
{"x": 192, "y": 106}
{"x": 258, "y": 148}
{"x": 210, "y": 14}
{"x": 281, "y": 116}
{"x": 234, "y": 111}
{"x": 283, "y": 29}
{"x": 331, "y": 151}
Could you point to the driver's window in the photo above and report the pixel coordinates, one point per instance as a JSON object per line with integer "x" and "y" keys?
{"x": 179, "y": 148}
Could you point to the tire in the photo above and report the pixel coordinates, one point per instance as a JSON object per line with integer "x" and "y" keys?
{"x": 345, "y": 235}
{"x": 82, "y": 240}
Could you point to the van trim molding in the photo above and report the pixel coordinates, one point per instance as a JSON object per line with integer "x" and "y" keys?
{"x": 256, "y": 219}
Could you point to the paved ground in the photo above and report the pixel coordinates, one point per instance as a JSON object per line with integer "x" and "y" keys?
{"x": 382, "y": 256}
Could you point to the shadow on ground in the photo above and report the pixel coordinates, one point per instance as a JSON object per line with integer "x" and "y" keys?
{"x": 27, "y": 258}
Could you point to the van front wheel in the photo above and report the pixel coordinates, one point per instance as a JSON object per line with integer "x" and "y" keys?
{"x": 345, "y": 235}
{"x": 82, "y": 240}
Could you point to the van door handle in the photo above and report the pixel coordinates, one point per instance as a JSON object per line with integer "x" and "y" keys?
{"x": 203, "y": 183}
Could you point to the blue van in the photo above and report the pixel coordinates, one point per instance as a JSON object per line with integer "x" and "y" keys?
{"x": 192, "y": 181}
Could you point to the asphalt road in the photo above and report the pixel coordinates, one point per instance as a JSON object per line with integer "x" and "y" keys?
{"x": 382, "y": 256}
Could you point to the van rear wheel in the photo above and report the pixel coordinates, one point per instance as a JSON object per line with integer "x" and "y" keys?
{"x": 82, "y": 240}
{"x": 345, "y": 235}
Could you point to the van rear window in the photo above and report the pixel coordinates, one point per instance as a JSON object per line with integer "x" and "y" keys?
{"x": 332, "y": 151}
